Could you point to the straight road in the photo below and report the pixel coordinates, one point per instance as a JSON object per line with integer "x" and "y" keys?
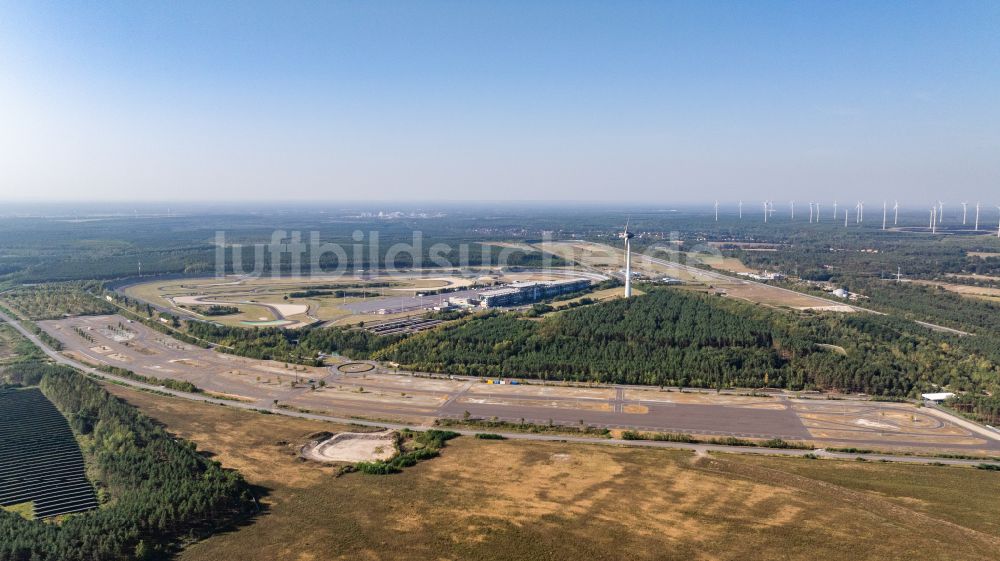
{"x": 700, "y": 448}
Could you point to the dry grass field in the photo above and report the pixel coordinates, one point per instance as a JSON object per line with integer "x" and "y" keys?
{"x": 981, "y": 292}
{"x": 610, "y": 258}
{"x": 494, "y": 500}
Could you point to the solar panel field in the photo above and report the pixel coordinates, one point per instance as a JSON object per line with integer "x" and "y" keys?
{"x": 40, "y": 461}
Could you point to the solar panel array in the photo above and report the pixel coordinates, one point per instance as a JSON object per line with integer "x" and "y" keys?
{"x": 40, "y": 460}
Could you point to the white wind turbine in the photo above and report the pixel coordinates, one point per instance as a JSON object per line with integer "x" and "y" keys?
{"x": 884, "y": 215}
{"x": 740, "y": 205}
{"x": 940, "y": 214}
{"x": 895, "y": 210}
{"x": 977, "y": 216}
{"x": 965, "y": 209}
{"x": 859, "y": 212}
{"x": 628, "y": 258}
{"x": 792, "y": 205}
{"x": 810, "y": 212}
{"x": 834, "y": 210}
{"x": 846, "y": 213}
{"x": 716, "y": 211}
{"x": 765, "y": 212}
{"x": 817, "y": 213}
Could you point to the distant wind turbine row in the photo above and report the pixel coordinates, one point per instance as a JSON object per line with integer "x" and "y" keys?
{"x": 936, "y": 213}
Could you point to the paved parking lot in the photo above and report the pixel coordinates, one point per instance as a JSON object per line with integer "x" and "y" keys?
{"x": 382, "y": 394}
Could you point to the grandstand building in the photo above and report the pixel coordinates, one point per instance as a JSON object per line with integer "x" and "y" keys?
{"x": 526, "y": 292}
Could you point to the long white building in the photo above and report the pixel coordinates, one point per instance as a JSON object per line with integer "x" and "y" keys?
{"x": 526, "y": 292}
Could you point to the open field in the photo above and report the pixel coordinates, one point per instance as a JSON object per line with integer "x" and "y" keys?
{"x": 608, "y": 259}
{"x": 369, "y": 390}
{"x": 495, "y": 500}
{"x": 981, "y": 292}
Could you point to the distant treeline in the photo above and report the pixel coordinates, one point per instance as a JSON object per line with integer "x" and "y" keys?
{"x": 159, "y": 488}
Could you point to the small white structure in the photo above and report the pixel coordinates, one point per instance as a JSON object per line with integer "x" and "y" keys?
{"x": 764, "y": 276}
{"x": 937, "y": 397}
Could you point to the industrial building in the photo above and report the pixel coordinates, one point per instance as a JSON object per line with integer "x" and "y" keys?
{"x": 526, "y": 292}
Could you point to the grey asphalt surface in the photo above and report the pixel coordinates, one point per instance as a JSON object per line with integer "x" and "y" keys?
{"x": 703, "y": 448}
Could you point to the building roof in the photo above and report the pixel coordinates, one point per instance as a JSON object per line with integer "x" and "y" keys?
{"x": 941, "y": 396}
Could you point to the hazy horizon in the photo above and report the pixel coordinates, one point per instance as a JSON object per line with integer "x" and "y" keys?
{"x": 547, "y": 102}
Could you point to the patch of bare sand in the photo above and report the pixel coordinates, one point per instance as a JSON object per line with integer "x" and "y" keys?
{"x": 352, "y": 447}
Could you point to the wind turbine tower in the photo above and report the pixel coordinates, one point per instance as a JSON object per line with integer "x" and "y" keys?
{"x": 792, "y": 205}
{"x": 895, "y": 210}
{"x": 845, "y": 217}
{"x": 810, "y": 212}
{"x": 716, "y": 211}
{"x": 977, "y": 216}
{"x": 628, "y": 260}
{"x": 834, "y": 210}
{"x": 765, "y": 212}
{"x": 741, "y": 210}
{"x": 940, "y": 214}
{"x": 817, "y": 213}
{"x": 884, "y": 209}
{"x": 965, "y": 208}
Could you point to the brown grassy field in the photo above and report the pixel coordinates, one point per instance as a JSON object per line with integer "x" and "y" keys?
{"x": 981, "y": 292}
{"x": 495, "y": 500}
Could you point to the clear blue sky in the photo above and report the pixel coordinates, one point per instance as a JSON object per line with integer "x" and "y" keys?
{"x": 658, "y": 101}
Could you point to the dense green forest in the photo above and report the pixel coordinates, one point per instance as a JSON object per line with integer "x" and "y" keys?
{"x": 59, "y": 245}
{"x": 933, "y": 304}
{"x": 675, "y": 337}
{"x": 159, "y": 489}
{"x": 985, "y": 409}
{"x": 291, "y": 345}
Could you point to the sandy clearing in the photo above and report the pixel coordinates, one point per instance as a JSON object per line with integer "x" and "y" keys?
{"x": 833, "y": 308}
{"x": 352, "y": 447}
{"x": 875, "y": 424}
{"x": 288, "y": 309}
